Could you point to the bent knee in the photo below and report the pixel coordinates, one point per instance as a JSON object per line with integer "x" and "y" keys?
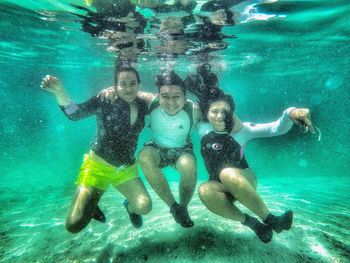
{"x": 205, "y": 192}
{"x": 143, "y": 205}
{"x": 232, "y": 176}
{"x": 147, "y": 156}
{"x": 74, "y": 226}
{"x": 187, "y": 164}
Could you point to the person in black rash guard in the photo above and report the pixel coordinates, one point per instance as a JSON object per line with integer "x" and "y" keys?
{"x": 230, "y": 178}
{"x": 111, "y": 158}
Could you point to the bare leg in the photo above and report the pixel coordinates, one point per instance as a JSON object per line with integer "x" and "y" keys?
{"x": 149, "y": 160}
{"x": 186, "y": 165}
{"x": 241, "y": 184}
{"x": 214, "y": 197}
{"x": 135, "y": 192}
{"x": 82, "y": 209}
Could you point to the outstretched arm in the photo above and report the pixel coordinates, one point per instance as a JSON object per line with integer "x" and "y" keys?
{"x": 72, "y": 110}
{"x": 300, "y": 116}
{"x": 53, "y": 84}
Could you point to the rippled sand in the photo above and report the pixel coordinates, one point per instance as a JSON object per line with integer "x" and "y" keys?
{"x": 32, "y": 229}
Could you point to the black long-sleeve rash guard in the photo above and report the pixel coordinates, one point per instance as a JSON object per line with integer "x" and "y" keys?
{"x": 116, "y": 138}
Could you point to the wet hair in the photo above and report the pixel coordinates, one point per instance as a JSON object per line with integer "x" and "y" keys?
{"x": 210, "y": 79}
{"x": 170, "y": 78}
{"x": 229, "y": 119}
{"x": 125, "y": 68}
{"x": 230, "y": 20}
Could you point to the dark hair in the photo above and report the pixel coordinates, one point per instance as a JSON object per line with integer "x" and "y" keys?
{"x": 125, "y": 68}
{"x": 170, "y": 78}
{"x": 230, "y": 20}
{"x": 229, "y": 119}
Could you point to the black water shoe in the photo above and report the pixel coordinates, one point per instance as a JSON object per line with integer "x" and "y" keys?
{"x": 99, "y": 215}
{"x": 280, "y": 223}
{"x": 181, "y": 215}
{"x": 263, "y": 231}
{"x": 135, "y": 219}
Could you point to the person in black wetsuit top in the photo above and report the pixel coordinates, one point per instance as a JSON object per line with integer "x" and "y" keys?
{"x": 230, "y": 178}
{"x": 111, "y": 158}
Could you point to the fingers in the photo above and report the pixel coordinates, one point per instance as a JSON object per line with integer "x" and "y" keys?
{"x": 101, "y": 95}
{"x": 110, "y": 97}
{"x": 45, "y": 82}
{"x": 308, "y": 123}
{"x": 303, "y": 117}
{"x": 306, "y": 117}
{"x": 297, "y": 122}
{"x": 50, "y": 83}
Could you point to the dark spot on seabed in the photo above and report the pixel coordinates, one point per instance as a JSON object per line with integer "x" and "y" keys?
{"x": 343, "y": 249}
{"x": 144, "y": 257}
{"x": 198, "y": 244}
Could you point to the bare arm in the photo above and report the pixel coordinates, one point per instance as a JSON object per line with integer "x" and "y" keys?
{"x": 148, "y": 97}
{"x": 72, "y": 110}
{"x": 197, "y": 113}
{"x": 53, "y": 84}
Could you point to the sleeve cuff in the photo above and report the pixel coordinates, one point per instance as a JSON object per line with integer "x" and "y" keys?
{"x": 70, "y": 108}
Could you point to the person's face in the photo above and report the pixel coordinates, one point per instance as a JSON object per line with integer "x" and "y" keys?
{"x": 127, "y": 86}
{"x": 171, "y": 25}
{"x": 171, "y": 99}
{"x": 219, "y": 17}
{"x": 216, "y": 115}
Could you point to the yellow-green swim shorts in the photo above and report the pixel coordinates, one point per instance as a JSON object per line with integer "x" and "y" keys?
{"x": 101, "y": 175}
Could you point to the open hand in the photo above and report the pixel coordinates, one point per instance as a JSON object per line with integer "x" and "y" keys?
{"x": 51, "y": 83}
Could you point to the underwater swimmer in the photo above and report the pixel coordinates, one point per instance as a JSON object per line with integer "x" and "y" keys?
{"x": 230, "y": 178}
{"x": 172, "y": 117}
{"x": 111, "y": 157}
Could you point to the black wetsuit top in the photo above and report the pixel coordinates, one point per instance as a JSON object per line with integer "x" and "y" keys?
{"x": 221, "y": 151}
{"x": 116, "y": 139}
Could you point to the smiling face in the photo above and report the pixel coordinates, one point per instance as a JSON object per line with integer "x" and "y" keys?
{"x": 216, "y": 115}
{"x": 127, "y": 86}
{"x": 171, "y": 99}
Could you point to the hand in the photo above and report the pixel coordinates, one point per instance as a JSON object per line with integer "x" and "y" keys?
{"x": 52, "y": 84}
{"x": 109, "y": 95}
{"x": 302, "y": 116}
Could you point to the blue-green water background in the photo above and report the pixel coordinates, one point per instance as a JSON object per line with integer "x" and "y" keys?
{"x": 298, "y": 59}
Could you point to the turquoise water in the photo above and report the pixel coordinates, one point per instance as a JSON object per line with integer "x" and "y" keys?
{"x": 297, "y": 57}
